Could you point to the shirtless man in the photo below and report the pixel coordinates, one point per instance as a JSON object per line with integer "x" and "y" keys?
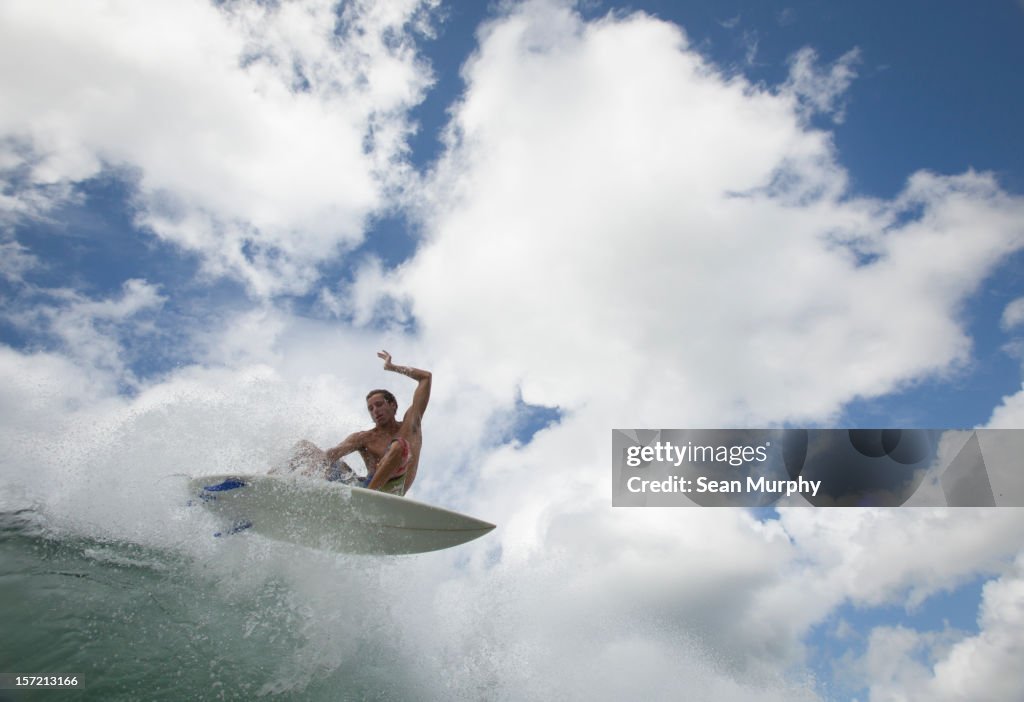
{"x": 391, "y": 450}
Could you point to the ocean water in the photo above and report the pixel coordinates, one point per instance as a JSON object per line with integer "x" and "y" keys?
{"x": 108, "y": 573}
{"x": 239, "y": 618}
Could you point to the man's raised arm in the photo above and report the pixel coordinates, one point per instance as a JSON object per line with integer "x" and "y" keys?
{"x": 421, "y": 396}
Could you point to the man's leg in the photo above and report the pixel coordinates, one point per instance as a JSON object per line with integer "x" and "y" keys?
{"x": 393, "y": 467}
{"x": 410, "y": 475}
{"x": 307, "y": 459}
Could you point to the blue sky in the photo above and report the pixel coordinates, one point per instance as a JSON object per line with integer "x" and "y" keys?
{"x": 582, "y": 216}
{"x": 934, "y": 90}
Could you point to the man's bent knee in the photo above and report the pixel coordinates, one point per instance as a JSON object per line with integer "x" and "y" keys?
{"x": 307, "y": 458}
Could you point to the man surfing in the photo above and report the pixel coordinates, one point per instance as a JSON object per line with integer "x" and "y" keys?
{"x": 390, "y": 450}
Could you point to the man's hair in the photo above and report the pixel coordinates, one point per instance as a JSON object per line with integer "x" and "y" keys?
{"x": 387, "y": 396}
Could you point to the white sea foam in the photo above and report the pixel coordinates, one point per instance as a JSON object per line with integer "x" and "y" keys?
{"x": 540, "y": 608}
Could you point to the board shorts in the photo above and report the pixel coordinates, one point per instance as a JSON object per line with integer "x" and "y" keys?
{"x": 396, "y": 486}
{"x": 341, "y": 472}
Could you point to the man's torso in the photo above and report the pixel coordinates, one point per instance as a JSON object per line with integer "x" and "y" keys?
{"x": 375, "y": 444}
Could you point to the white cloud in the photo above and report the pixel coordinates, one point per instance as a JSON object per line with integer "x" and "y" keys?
{"x": 821, "y": 90}
{"x": 253, "y": 133}
{"x": 904, "y": 664}
{"x": 39, "y": 390}
{"x": 22, "y": 197}
{"x": 622, "y": 231}
{"x": 876, "y": 557}
{"x": 975, "y": 668}
{"x": 890, "y": 662}
{"x": 1009, "y": 414}
{"x": 15, "y": 259}
{"x": 617, "y": 225}
{"x": 1013, "y": 314}
{"x": 369, "y": 299}
{"x": 92, "y": 332}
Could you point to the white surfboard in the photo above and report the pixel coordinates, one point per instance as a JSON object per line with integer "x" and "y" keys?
{"x": 331, "y": 516}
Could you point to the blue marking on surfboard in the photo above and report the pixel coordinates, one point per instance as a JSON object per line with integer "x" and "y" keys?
{"x": 240, "y": 525}
{"x": 229, "y": 484}
{"x": 205, "y": 496}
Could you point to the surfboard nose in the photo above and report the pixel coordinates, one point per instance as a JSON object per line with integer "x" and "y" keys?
{"x": 479, "y": 525}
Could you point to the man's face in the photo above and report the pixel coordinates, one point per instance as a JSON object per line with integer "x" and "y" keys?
{"x": 380, "y": 411}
